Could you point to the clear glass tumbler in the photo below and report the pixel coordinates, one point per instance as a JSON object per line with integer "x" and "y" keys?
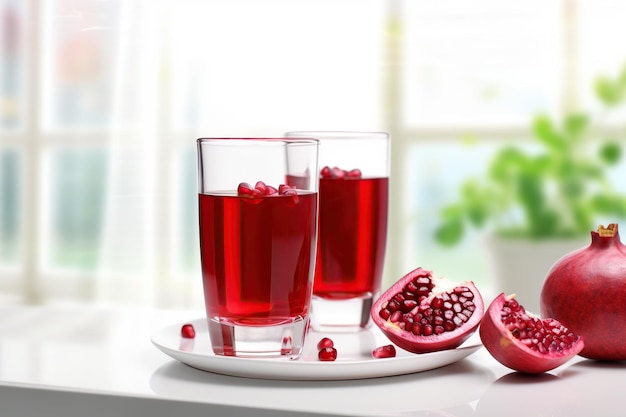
{"x": 258, "y": 206}
{"x": 353, "y": 210}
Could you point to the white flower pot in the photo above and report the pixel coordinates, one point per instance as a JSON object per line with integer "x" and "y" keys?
{"x": 519, "y": 266}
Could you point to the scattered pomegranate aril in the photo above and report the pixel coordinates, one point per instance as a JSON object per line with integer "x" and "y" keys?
{"x": 420, "y": 313}
{"x": 354, "y": 173}
{"x": 262, "y": 189}
{"x": 338, "y": 173}
{"x": 245, "y": 189}
{"x": 327, "y": 354}
{"x": 387, "y": 351}
{"x": 523, "y": 342}
{"x": 325, "y": 342}
{"x": 187, "y": 331}
{"x": 586, "y": 290}
{"x": 293, "y": 197}
{"x": 260, "y": 185}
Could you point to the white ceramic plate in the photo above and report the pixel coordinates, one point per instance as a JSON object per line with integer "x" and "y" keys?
{"x": 354, "y": 359}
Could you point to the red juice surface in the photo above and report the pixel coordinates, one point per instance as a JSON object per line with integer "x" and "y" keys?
{"x": 257, "y": 256}
{"x": 352, "y": 237}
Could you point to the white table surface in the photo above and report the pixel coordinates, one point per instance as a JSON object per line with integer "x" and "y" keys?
{"x": 60, "y": 361}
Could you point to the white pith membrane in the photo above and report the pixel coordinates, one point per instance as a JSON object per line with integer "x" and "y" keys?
{"x": 427, "y": 306}
{"x": 543, "y": 336}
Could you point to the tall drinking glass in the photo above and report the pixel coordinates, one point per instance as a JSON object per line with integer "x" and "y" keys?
{"x": 353, "y": 192}
{"x": 258, "y": 231}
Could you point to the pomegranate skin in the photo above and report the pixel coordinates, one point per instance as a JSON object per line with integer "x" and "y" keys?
{"x": 510, "y": 351}
{"x": 586, "y": 291}
{"x": 435, "y": 342}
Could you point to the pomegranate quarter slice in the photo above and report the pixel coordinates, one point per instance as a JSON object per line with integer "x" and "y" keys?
{"x": 421, "y": 314}
{"x": 524, "y": 342}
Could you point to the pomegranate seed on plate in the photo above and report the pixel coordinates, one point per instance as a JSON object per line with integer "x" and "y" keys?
{"x": 388, "y": 351}
{"x": 325, "y": 342}
{"x": 187, "y": 331}
{"x": 328, "y": 354}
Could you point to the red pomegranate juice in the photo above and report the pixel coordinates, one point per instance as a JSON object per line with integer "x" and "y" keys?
{"x": 257, "y": 255}
{"x": 352, "y": 237}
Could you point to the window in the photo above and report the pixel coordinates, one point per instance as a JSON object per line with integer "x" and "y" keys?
{"x": 105, "y": 161}
{"x": 101, "y": 103}
{"x": 474, "y": 76}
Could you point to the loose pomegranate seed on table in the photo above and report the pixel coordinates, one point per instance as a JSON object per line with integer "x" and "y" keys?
{"x": 187, "y": 331}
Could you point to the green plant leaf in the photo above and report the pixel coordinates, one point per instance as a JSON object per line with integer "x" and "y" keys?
{"x": 546, "y": 133}
{"x": 506, "y": 164}
{"x": 573, "y": 188}
{"x": 614, "y": 205}
{"x": 530, "y": 193}
{"x": 611, "y": 152}
{"x": 450, "y": 232}
{"x": 608, "y": 92}
{"x": 575, "y": 124}
{"x": 547, "y": 193}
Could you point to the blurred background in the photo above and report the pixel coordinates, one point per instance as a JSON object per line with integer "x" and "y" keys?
{"x": 506, "y": 119}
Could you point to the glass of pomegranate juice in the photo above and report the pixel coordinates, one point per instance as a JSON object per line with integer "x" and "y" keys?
{"x": 258, "y": 236}
{"x": 353, "y": 192}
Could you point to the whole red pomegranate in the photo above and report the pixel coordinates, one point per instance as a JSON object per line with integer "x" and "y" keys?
{"x": 586, "y": 291}
{"x": 420, "y": 313}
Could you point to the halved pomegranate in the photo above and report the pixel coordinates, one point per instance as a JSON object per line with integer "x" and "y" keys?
{"x": 523, "y": 342}
{"x": 421, "y": 314}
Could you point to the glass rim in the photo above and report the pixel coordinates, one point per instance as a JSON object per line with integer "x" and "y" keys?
{"x": 338, "y": 134}
{"x": 259, "y": 140}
